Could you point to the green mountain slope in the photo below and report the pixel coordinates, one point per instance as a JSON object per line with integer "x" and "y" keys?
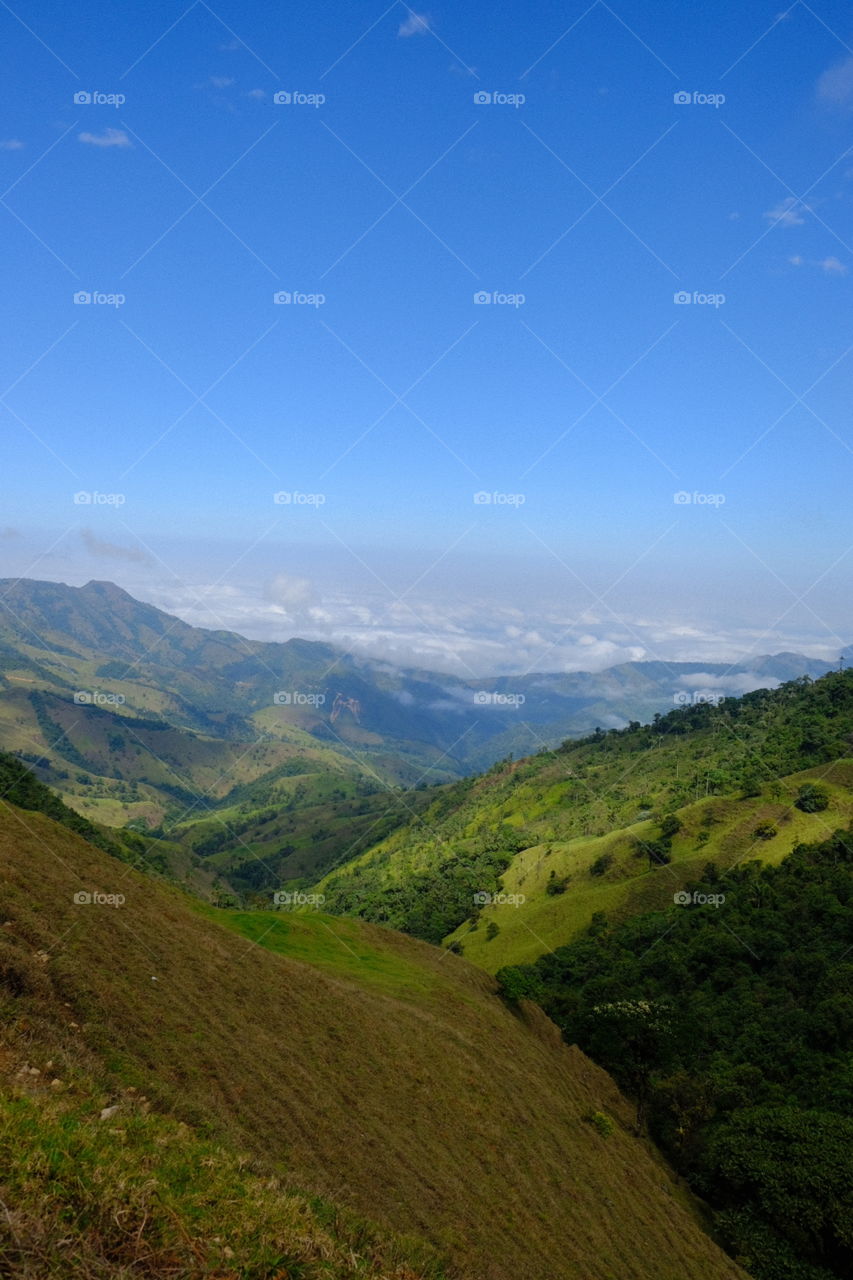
{"x": 616, "y": 822}
{"x": 729, "y": 1017}
{"x": 177, "y": 1092}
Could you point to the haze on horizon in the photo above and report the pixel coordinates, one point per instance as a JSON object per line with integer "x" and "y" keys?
{"x": 287, "y": 399}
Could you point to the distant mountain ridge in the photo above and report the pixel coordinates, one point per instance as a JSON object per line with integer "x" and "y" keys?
{"x": 218, "y": 682}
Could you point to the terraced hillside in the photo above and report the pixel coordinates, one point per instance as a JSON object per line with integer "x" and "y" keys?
{"x": 181, "y": 1085}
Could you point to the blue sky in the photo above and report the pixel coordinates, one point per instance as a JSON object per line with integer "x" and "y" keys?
{"x": 396, "y": 199}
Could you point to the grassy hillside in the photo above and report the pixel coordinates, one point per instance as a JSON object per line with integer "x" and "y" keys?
{"x": 295, "y": 827}
{"x": 115, "y": 767}
{"x": 611, "y": 873}
{"x": 304, "y": 1057}
{"x": 581, "y": 829}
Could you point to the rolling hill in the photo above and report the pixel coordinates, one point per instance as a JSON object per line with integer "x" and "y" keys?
{"x": 192, "y": 1092}
{"x": 514, "y": 863}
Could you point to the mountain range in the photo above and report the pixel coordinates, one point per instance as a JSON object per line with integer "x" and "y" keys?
{"x": 99, "y": 642}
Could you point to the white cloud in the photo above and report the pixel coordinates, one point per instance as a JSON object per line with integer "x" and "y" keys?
{"x": 110, "y": 138}
{"x": 222, "y": 82}
{"x": 416, "y": 24}
{"x": 257, "y": 94}
{"x": 290, "y": 592}
{"x": 12, "y": 144}
{"x": 835, "y": 86}
{"x": 831, "y": 266}
{"x": 787, "y": 213}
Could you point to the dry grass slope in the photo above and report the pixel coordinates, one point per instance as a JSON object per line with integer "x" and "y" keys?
{"x": 416, "y": 1100}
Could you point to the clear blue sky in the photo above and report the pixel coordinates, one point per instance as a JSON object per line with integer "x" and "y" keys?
{"x": 398, "y": 198}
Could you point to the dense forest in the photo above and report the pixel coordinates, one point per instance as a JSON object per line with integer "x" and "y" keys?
{"x": 731, "y": 1024}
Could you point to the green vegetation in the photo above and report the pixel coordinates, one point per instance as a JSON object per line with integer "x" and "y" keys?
{"x": 730, "y": 1020}
{"x": 616, "y": 822}
{"x": 142, "y": 1194}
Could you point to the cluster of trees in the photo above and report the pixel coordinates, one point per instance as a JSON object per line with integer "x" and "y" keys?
{"x": 731, "y": 1024}
{"x": 432, "y": 902}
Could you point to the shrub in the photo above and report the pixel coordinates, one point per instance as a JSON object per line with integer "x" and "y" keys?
{"x": 492, "y": 930}
{"x": 812, "y": 798}
{"x": 556, "y": 885}
{"x": 601, "y": 864}
{"x": 670, "y": 826}
{"x": 765, "y": 831}
{"x": 600, "y": 1122}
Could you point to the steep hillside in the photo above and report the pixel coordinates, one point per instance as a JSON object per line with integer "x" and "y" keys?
{"x": 348, "y": 1062}
{"x": 616, "y": 822}
{"x": 728, "y": 1016}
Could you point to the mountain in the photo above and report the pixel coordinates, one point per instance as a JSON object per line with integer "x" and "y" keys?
{"x": 276, "y": 762}
{"x": 192, "y": 1092}
{"x": 406, "y": 725}
{"x": 516, "y": 862}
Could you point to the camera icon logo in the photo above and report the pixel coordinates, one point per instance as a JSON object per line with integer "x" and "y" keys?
{"x": 82, "y": 98}
{"x": 83, "y": 499}
{"x": 281, "y": 298}
{"x": 482, "y": 99}
{"x": 682, "y": 298}
{"x": 282, "y": 698}
{"x": 82, "y": 698}
{"x": 282, "y": 98}
{"x": 82, "y": 298}
{"x": 82, "y": 898}
{"x": 482, "y": 298}
{"x": 482, "y": 899}
{"x": 681, "y": 98}
{"x": 681, "y": 899}
{"x": 682, "y": 498}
